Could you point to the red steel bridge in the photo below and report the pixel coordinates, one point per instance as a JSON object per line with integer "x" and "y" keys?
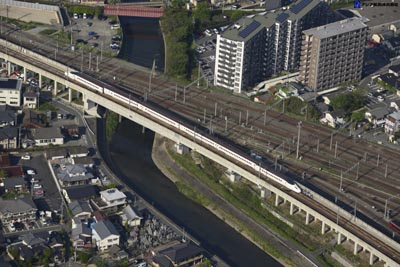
{"x": 133, "y": 11}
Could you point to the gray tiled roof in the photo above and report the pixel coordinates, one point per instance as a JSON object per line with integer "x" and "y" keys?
{"x": 104, "y": 229}
{"x": 24, "y": 204}
{"x": 10, "y": 183}
{"x": 79, "y": 206}
{"x": 46, "y": 133}
{"x": 7, "y": 116}
{"x": 181, "y": 252}
{"x": 8, "y": 133}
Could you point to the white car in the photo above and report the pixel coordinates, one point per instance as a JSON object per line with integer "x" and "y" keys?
{"x": 380, "y": 98}
{"x": 26, "y": 157}
{"x": 37, "y": 186}
{"x": 30, "y": 172}
{"x": 12, "y": 227}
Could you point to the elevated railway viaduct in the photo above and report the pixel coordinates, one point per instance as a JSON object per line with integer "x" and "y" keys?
{"x": 332, "y": 218}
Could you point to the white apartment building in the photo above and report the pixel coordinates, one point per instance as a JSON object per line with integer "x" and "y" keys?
{"x": 10, "y": 92}
{"x": 258, "y": 46}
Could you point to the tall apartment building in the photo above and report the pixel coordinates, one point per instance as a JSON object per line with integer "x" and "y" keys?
{"x": 333, "y": 54}
{"x": 261, "y": 45}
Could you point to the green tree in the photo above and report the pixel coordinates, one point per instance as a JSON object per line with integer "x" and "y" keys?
{"x": 111, "y": 124}
{"x": 358, "y": 116}
{"x": 237, "y": 14}
{"x": 202, "y": 12}
{"x": 348, "y": 102}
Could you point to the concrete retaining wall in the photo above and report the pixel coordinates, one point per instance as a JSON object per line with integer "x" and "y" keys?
{"x": 30, "y": 12}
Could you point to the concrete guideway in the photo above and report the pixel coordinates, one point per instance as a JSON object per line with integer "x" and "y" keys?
{"x": 363, "y": 236}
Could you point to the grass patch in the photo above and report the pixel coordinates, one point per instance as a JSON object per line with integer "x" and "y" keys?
{"x": 242, "y": 197}
{"x": 46, "y": 107}
{"x": 326, "y": 260}
{"x": 48, "y": 31}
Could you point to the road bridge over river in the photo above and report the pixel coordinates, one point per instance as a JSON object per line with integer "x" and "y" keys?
{"x": 332, "y": 218}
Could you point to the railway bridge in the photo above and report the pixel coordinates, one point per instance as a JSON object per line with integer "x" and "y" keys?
{"x": 314, "y": 208}
{"x": 134, "y": 10}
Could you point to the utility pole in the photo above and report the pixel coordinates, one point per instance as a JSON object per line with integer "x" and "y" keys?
{"x": 358, "y": 166}
{"x": 240, "y": 117}
{"x": 81, "y": 59}
{"x": 298, "y": 139}
{"x": 210, "y": 125}
{"x": 204, "y": 115}
{"x": 377, "y": 161}
{"x": 184, "y": 95}
{"x": 90, "y": 61}
{"x": 247, "y": 117}
{"x": 226, "y": 124}
{"x": 330, "y": 146}
{"x": 97, "y": 63}
{"x": 265, "y": 116}
{"x": 101, "y": 51}
{"x": 386, "y": 171}
{"x": 335, "y": 149}
{"x": 283, "y": 106}
{"x": 198, "y": 77}
{"x": 318, "y": 145}
{"x": 341, "y": 181}
{"x": 215, "y": 109}
{"x": 176, "y": 91}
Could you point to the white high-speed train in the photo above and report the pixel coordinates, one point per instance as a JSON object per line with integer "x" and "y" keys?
{"x": 127, "y": 98}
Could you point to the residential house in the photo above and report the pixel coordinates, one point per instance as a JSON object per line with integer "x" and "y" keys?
{"x": 395, "y": 70}
{"x": 80, "y": 192}
{"x": 12, "y": 171}
{"x": 7, "y": 117}
{"x": 117, "y": 253}
{"x": 110, "y": 199}
{"x": 182, "y": 255}
{"x": 395, "y": 104}
{"x": 333, "y": 118}
{"x": 20, "y": 209}
{"x": 129, "y": 217}
{"x": 288, "y": 92}
{"x": 99, "y": 216}
{"x": 8, "y": 137}
{"x": 377, "y": 114}
{"x": 17, "y": 184}
{"x": 47, "y": 136}
{"x": 81, "y": 209}
{"x": 71, "y": 130}
{"x": 395, "y": 27}
{"x": 390, "y": 79}
{"x": 55, "y": 240}
{"x": 61, "y": 152}
{"x": 81, "y": 235}
{"x": 383, "y": 36}
{"x": 31, "y": 100}
{"x": 10, "y": 92}
{"x": 392, "y": 123}
{"x": 264, "y": 98}
{"x": 393, "y": 45}
{"x": 105, "y": 235}
{"x": 84, "y": 161}
{"x": 73, "y": 175}
{"x": 31, "y": 241}
{"x": 4, "y": 160}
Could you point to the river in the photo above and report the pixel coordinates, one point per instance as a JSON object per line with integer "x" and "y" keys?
{"x": 131, "y": 153}
{"x": 143, "y": 42}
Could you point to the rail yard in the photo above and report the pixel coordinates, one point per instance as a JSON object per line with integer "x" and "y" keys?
{"x": 336, "y": 164}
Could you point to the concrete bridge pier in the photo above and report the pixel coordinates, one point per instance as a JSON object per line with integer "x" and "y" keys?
{"x": 69, "y": 95}
{"x": 89, "y": 106}
{"x": 181, "y": 149}
{"x": 265, "y": 193}
{"x": 293, "y": 209}
{"x": 232, "y": 175}
{"x": 40, "y": 80}
{"x": 372, "y": 258}
{"x": 341, "y": 238}
{"x": 278, "y": 200}
{"x": 325, "y": 228}
{"x": 54, "y": 91}
{"x": 24, "y": 71}
{"x": 309, "y": 218}
{"x": 9, "y": 68}
{"x": 357, "y": 248}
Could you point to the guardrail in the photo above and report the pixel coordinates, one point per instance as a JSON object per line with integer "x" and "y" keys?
{"x": 29, "y": 5}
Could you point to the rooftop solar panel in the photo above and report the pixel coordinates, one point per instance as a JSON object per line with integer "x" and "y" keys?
{"x": 282, "y": 17}
{"x": 249, "y": 29}
{"x": 299, "y": 7}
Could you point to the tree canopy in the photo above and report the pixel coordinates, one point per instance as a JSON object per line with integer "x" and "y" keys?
{"x": 348, "y": 102}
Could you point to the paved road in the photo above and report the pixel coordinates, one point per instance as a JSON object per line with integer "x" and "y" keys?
{"x": 288, "y": 248}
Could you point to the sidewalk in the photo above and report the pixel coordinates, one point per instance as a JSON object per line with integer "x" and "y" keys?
{"x": 174, "y": 172}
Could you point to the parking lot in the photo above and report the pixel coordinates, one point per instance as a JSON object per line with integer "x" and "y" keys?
{"x": 205, "y": 52}
{"x": 50, "y": 199}
{"x": 96, "y": 33}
